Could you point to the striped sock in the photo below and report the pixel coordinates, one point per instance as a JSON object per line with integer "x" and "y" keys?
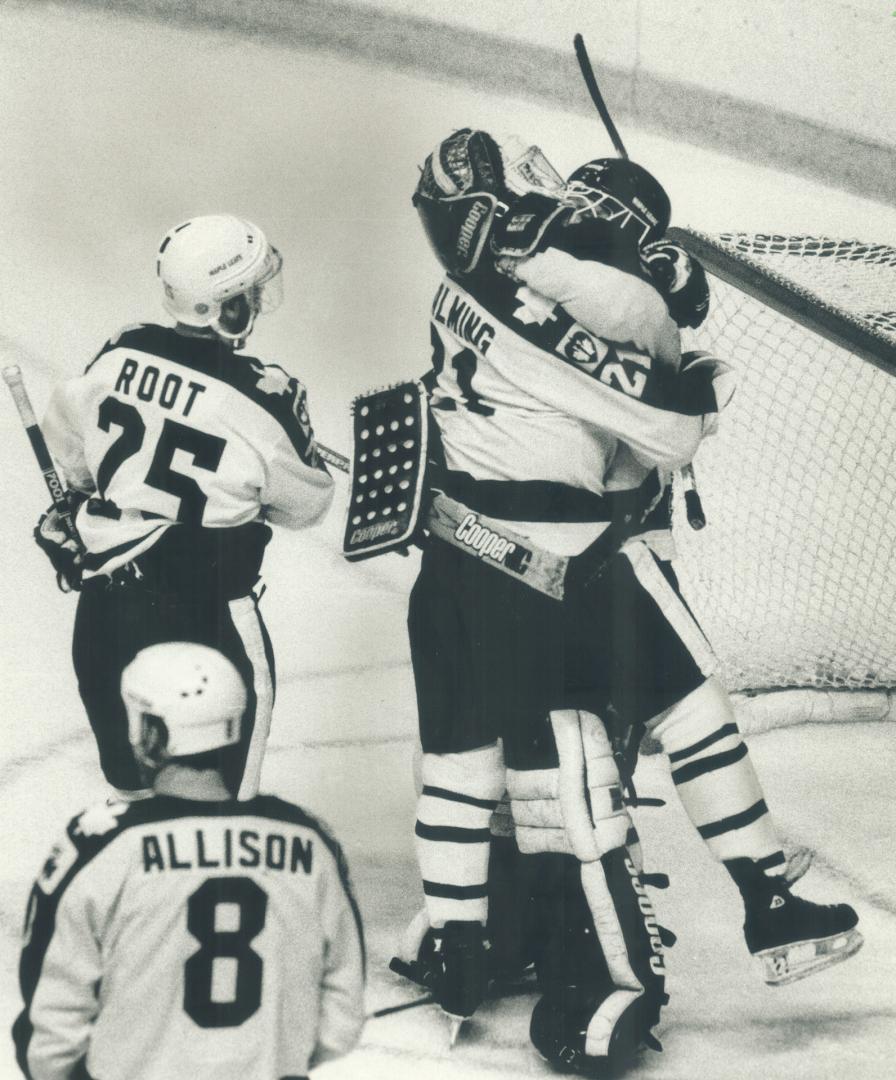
{"x": 716, "y": 782}
{"x": 460, "y": 792}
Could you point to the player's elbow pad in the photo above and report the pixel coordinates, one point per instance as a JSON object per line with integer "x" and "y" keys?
{"x": 310, "y": 509}
{"x": 678, "y": 445}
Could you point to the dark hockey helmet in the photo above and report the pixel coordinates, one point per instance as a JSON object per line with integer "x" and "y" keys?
{"x": 621, "y": 192}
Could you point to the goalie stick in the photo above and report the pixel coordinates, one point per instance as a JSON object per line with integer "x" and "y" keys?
{"x": 693, "y": 506}
{"x": 14, "y": 379}
{"x": 334, "y": 458}
{"x": 597, "y": 97}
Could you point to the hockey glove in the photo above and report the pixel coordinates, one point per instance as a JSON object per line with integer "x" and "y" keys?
{"x": 457, "y": 197}
{"x": 65, "y": 554}
{"x": 707, "y": 384}
{"x": 681, "y": 279}
{"x": 521, "y": 232}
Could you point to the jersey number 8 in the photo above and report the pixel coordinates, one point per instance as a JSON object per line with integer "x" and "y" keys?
{"x": 218, "y": 946}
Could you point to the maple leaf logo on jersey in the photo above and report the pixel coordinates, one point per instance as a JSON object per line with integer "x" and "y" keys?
{"x": 100, "y": 819}
{"x": 534, "y": 308}
{"x": 58, "y": 863}
{"x": 273, "y": 381}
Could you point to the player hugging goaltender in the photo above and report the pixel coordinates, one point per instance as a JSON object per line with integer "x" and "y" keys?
{"x": 547, "y": 629}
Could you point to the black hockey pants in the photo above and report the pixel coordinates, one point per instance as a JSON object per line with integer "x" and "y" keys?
{"x": 115, "y": 621}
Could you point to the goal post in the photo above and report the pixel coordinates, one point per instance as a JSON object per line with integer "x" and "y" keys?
{"x": 794, "y": 576}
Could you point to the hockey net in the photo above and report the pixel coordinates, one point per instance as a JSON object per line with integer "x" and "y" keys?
{"x": 793, "y": 578}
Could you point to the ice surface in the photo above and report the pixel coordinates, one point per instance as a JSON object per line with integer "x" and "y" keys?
{"x": 112, "y": 131}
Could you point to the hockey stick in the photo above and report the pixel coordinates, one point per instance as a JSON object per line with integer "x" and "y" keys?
{"x": 333, "y": 457}
{"x": 597, "y": 97}
{"x": 693, "y": 506}
{"x": 427, "y": 999}
{"x": 13, "y": 378}
{"x": 499, "y": 993}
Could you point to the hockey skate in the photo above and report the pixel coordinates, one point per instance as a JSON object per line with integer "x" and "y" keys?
{"x": 792, "y": 937}
{"x": 452, "y": 964}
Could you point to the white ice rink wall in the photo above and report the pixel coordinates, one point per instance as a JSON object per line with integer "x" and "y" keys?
{"x": 805, "y": 85}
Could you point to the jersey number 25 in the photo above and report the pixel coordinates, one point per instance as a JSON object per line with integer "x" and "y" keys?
{"x": 206, "y": 451}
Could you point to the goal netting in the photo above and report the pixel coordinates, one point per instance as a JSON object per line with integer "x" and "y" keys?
{"x": 794, "y": 576}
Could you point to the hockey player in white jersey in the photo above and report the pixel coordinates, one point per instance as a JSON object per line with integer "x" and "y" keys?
{"x": 563, "y": 403}
{"x": 180, "y": 450}
{"x": 189, "y": 934}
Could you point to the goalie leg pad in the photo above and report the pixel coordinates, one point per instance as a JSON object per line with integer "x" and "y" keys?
{"x": 715, "y": 779}
{"x": 578, "y": 808}
{"x": 603, "y": 973}
{"x": 459, "y": 795}
{"x": 603, "y": 969}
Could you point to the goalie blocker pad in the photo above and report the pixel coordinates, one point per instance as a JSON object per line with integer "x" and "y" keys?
{"x": 389, "y": 441}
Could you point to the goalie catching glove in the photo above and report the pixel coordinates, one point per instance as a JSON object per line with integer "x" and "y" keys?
{"x": 52, "y": 536}
{"x": 468, "y": 182}
{"x": 457, "y": 197}
{"x": 681, "y": 280}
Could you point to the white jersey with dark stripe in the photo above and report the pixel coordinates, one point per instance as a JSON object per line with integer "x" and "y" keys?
{"x": 172, "y": 938}
{"x": 166, "y": 428}
{"x": 569, "y": 402}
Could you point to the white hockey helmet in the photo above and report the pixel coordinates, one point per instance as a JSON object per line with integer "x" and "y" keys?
{"x": 219, "y": 271}
{"x": 181, "y": 699}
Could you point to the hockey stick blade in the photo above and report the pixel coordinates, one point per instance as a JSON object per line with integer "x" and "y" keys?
{"x": 427, "y": 999}
{"x": 596, "y": 96}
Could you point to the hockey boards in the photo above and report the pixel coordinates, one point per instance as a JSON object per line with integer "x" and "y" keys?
{"x": 389, "y": 443}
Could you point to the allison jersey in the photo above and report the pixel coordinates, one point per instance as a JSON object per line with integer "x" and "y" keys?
{"x": 171, "y": 938}
{"x": 556, "y": 391}
{"x": 166, "y": 428}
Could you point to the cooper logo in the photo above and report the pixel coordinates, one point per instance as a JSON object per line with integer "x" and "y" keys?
{"x": 489, "y": 544}
{"x": 468, "y": 229}
{"x": 657, "y": 964}
{"x": 373, "y": 532}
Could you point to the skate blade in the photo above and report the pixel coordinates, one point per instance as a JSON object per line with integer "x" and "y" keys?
{"x": 788, "y": 963}
{"x": 455, "y": 1024}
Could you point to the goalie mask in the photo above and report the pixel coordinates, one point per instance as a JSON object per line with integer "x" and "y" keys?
{"x": 466, "y": 182}
{"x": 623, "y": 193}
{"x": 219, "y": 272}
{"x": 181, "y": 699}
